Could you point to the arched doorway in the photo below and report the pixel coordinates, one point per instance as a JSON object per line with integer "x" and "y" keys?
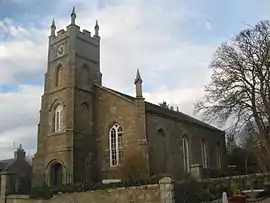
{"x": 56, "y": 174}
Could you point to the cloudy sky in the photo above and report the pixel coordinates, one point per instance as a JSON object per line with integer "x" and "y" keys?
{"x": 170, "y": 41}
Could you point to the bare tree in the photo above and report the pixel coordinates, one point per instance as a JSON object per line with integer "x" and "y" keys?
{"x": 29, "y": 159}
{"x": 251, "y": 142}
{"x": 230, "y": 141}
{"x": 164, "y": 104}
{"x": 239, "y": 89}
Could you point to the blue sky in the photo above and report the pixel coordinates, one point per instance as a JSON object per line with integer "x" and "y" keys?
{"x": 227, "y": 17}
{"x": 170, "y": 41}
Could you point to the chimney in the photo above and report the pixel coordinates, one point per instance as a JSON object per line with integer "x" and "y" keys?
{"x": 20, "y": 153}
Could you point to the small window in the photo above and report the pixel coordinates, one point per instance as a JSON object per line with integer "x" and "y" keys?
{"x": 58, "y": 75}
{"x": 58, "y": 118}
{"x": 116, "y": 145}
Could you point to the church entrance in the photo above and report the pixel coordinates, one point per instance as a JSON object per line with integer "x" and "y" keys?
{"x": 56, "y": 174}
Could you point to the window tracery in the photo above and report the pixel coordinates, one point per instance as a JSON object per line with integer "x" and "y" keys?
{"x": 58, "y": 118}
{"x": 204, "y": 152}
{"x": 116, "y": 144}
{"x": 185, "y": 149}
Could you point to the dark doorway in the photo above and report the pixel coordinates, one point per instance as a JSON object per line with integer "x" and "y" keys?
{"x": 56, "y": 174}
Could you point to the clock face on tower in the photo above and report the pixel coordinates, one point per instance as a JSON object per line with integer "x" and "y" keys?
{"x": 60, "y": 50}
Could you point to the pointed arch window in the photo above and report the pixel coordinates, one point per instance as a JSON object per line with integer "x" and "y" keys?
{"x": 204, "y": 152}
{"x": 116, "y": 144}
{"x": 218, "y": 156}
{"x": 58, "y": 118}
{"x": 185, "y": 149}
{"x": 163, "y": 145}
{"x": 58, "y": 76}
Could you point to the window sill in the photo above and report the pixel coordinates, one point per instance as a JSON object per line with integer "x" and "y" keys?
{"x": 113, "y": 167}
{"x": 57, "y": 133}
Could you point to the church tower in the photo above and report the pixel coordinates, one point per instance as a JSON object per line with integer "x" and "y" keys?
{"x": 66, "y": 143}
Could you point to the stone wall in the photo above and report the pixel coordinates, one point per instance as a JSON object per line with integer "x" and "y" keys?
{"x": 255, "y": 181}
{"x": 165, "y": 136}
{"x": 156, "y": 193}
{"x": 112, "y": 108}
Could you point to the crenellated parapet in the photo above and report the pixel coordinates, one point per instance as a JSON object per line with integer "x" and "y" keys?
{"x": 73, "y": 41}
{"x": 73, "y": 30}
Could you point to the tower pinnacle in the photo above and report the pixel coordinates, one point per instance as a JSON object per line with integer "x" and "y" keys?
{"x": 138, "y": 77}
{"x": 73, "y": 16}
{"x": 96, "y": 29}
{"x": 138, "y": 82}
{"x": 53, "y": 28}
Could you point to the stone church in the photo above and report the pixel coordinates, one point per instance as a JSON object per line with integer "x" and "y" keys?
{"x": 86, "y": 129}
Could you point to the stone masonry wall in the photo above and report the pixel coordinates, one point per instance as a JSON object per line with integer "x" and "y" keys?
{"x": 110, "y": 109}
{"x": 157, "y": 193}
{"x": 165, "y": 137}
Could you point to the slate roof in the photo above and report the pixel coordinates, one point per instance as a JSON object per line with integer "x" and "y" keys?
{"x": 164, "y": 112}
{"x": 177, "y": 115}
{"x": 4, "y": 164}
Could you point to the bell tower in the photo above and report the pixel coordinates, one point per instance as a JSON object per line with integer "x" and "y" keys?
{"x": 66, "y": 137}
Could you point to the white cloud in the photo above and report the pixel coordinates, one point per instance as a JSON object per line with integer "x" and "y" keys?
{"x": 18, "y": 118}
{"x": 134, "y": 34}
{"x": 182, "y": 98}
{"x": 11, "y": 139}
{"x": 23, "y": 54}
{"x": 208, "y": 25}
